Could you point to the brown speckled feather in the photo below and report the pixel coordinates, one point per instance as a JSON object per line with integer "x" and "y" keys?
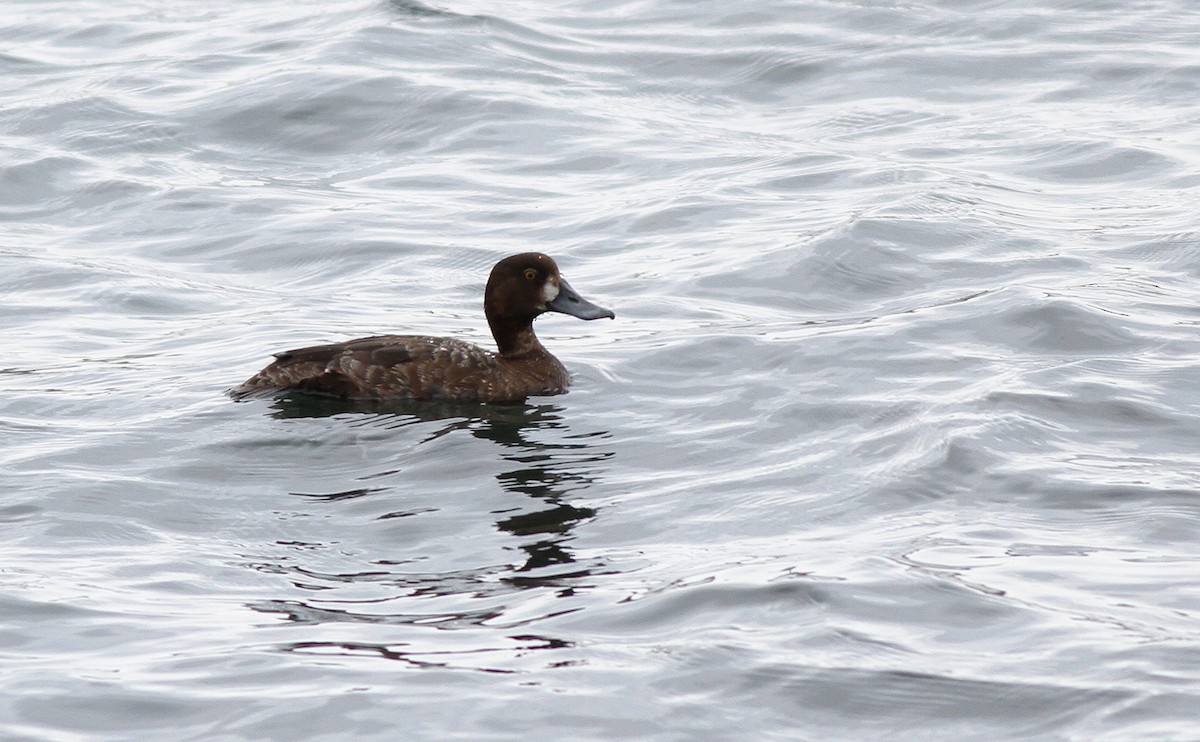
{"x": 410, "y": 367}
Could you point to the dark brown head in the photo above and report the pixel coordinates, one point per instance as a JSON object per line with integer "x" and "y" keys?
{"x": 523, "y": 286}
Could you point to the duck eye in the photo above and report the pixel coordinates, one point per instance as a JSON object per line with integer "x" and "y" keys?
{"x": 530, "y": 274}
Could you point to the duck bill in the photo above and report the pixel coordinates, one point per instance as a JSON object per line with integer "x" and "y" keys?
{"x": 570, "y": 302}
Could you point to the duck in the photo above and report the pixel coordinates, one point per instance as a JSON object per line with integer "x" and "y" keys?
{"x": 420, "y": 367}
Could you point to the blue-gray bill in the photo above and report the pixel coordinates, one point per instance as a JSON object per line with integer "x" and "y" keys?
{"x": 570, "y": 302}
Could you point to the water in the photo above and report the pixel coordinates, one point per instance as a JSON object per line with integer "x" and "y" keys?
{"x": 895, "y": 432}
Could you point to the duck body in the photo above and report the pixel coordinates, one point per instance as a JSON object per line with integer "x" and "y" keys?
{"x": 421, "y": 367}
{"x": 411, "y": 367}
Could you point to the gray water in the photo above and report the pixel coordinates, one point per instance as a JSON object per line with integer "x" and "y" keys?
{"x": 895, "y": 435}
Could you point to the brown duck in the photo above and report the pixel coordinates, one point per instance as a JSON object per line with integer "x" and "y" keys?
{"x": 520, "y": 288}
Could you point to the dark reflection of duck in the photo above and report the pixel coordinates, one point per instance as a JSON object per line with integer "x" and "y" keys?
{"x": 520, "y": 288}
{"x": 544, "y": 472}
{"x": 545, "y": 463}
{"x": 547, "y": 472}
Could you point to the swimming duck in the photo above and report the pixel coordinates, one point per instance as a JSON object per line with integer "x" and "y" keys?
{"x": 421, "y": 367}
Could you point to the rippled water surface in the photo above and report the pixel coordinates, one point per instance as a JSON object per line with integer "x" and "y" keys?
{"x": 896, "y": 431}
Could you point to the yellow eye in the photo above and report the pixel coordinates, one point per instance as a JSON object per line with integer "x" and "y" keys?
{"x": 530, "y": 274}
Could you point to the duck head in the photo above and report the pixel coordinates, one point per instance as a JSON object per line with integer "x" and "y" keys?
{"x": 523, "y": 286}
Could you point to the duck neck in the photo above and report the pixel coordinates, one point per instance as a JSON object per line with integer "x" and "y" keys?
{"x": 515, "y": 338}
